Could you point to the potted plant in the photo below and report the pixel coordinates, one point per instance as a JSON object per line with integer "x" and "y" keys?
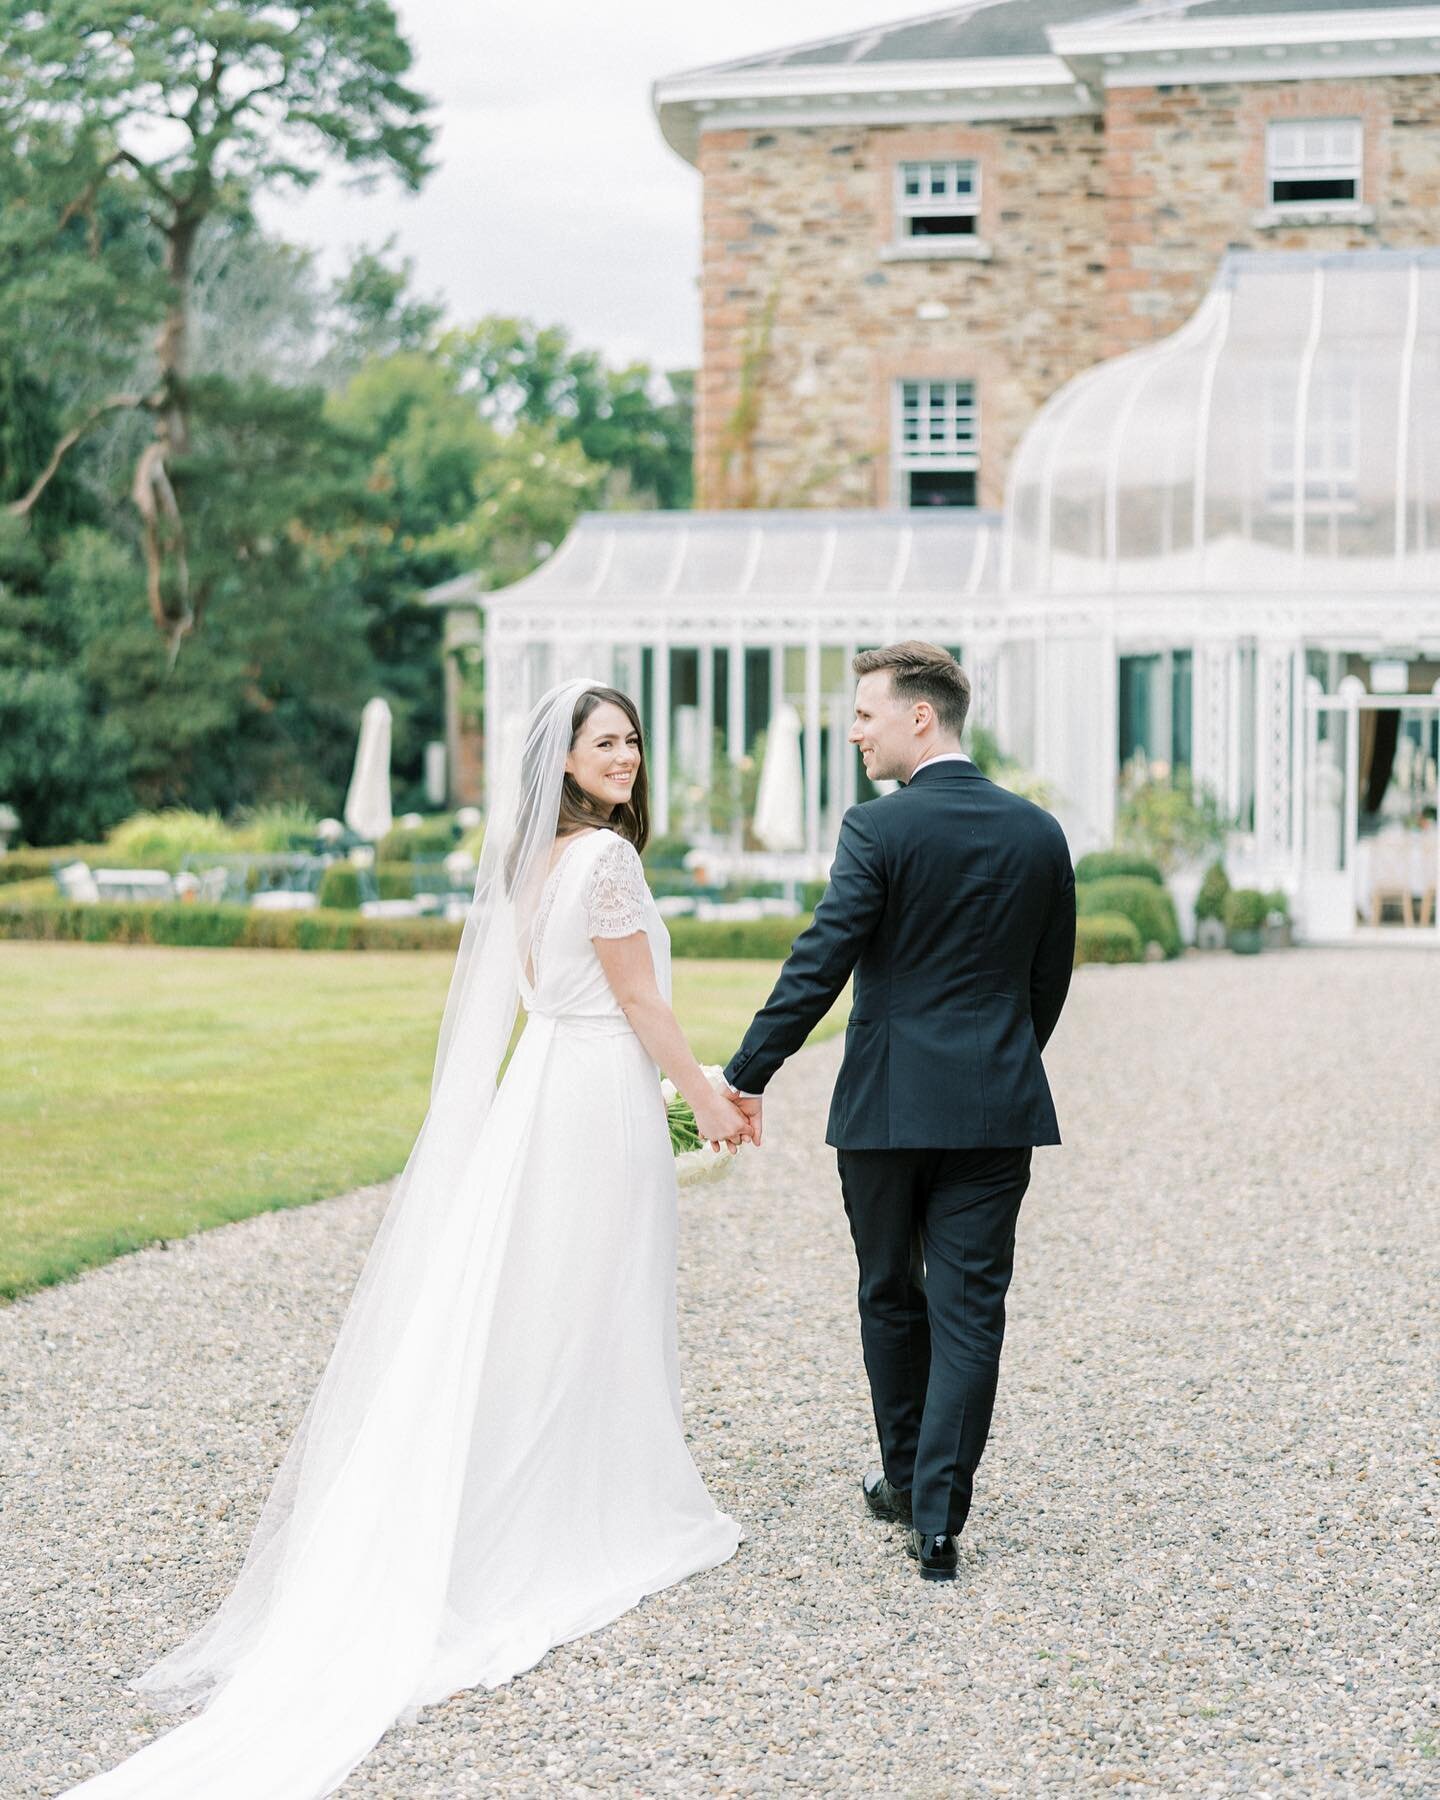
{"x": 1277, "y": 920}
{"x": 1210, "y": 908}
{"x": 1246, "y": 910}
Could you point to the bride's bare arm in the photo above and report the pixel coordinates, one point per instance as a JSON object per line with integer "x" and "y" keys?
{"x": 630, "y": 970}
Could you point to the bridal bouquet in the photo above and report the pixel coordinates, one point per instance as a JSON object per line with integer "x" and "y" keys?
{"x": 695, "y": 1161}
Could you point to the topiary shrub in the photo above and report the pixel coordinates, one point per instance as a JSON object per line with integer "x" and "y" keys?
{"x": 1149, "y": 908}
{"x": 1107, "y": 938}
{"x": 340, "y": 888}
{"x": 1277, "y": 904}
{"x": 1210, "y": 901}
{"x": 395, "y": 881}
{"x": 1101, "y": 865}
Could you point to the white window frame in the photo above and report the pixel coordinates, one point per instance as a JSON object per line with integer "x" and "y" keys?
{"x": 946, "y": 433}
{"x": 927, "y": 204}
{"x": 1338, "y": 155}
{"x": 1330, "y": 479}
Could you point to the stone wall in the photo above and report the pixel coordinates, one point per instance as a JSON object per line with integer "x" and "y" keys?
{"x": 807, "y": 326}
{"x": 1103, "y": 235}
{"x": 1185, "y": 178}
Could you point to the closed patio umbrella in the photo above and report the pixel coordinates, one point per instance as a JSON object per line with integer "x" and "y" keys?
{"x": 779, "y": 821}
{"x": 367, "y": 805}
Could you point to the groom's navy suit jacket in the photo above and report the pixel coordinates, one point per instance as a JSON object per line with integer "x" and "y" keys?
{"x": 953, "y": 902}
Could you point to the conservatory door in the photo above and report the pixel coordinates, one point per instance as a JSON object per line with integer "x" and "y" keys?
{"x": 1371, "y": 844}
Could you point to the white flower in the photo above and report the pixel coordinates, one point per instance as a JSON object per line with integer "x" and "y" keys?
{"x": 669, "y": 1091}
{"x": 704, "y": 1164}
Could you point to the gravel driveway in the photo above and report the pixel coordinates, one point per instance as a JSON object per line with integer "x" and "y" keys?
{"x": 1203, "y": 1555}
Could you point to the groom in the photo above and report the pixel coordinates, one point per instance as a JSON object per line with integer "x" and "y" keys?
{"x": 953, "y": 902}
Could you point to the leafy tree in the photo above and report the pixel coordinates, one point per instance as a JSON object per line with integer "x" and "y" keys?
{"x": 372, "y": 314}
{"x": 178, "y": 118}
{"x": 628, "y": 419}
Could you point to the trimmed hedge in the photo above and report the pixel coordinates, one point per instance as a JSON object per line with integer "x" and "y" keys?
{"x": 1103, "y": 865}
{"x": 1210, "y": 901}
{"x": 146, "y": 922}
{"x": 220, "y": 927}
{"x": 31, "y": 865}
{"x": 1107, "y": 938}
{"x": 395, "y": 880}
{"x": 736, "y": 940}
{"x": 1149, "y": 909}
{"x": 340, "y": 888}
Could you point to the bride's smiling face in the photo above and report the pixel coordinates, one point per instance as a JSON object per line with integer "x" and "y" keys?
{"x": 605, "y": 757}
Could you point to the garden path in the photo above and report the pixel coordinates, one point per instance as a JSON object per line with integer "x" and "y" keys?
{"x": 1203, "y": 1557}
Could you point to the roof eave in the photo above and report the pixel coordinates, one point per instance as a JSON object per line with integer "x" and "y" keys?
{"x": 976, "y": 87}
{"x": 1274, "y": 46}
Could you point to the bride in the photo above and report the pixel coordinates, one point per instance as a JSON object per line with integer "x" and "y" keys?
{"x": 494, "y": 1460}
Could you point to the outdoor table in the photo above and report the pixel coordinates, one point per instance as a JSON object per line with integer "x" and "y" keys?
{"x": 134, "y": 884}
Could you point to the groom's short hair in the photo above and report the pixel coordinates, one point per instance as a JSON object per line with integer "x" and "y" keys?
{"x": 921, "y": 671}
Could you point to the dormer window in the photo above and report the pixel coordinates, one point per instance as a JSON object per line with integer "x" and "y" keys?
{"x": 1313, "y": 163}
{"x": 938, "y": 199}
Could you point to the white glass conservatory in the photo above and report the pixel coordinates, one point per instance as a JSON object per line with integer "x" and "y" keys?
{"x": 714, "y": 620}
{"x": 1223, "y": 551}
{"x": 1219, "y": 552}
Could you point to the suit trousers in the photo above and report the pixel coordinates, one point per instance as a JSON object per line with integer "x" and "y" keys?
{"x": 934, "y": 1235}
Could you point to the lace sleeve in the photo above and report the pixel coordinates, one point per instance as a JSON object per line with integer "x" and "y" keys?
{"x": 616, "y": 896}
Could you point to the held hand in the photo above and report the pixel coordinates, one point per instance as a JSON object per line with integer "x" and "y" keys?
{"x": 753, "y": 1107}
{"x": 720, "y": 1121}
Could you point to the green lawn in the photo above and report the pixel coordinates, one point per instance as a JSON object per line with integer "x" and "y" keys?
{"x": 148, "y": 1093}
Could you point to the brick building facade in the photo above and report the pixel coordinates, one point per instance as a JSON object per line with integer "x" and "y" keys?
{"x": 1106, "y": 199}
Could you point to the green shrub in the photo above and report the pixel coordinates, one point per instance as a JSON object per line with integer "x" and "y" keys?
{"x": 736, "y": 940}
{"x": 1100, "y": 865}
{"x": 1149, "y": 909}
{"x": 279, "y": 826}
{"x": 1169, "y": 822}
{"x": 340, "y": 887}
{"x": 436, "y": 837}
{"x": 142, "y": 922}
{"x": 33, "y": 865}
{"x": 1245, "y": 909}
{"x": 1210, "y": 901}
{"x": 395, "y": 880}
{"x": 666, "y": 853}
{"x": 162, "y": 839}
{"x": 1277, "y": 901}
{"x": 1107, "y": 938}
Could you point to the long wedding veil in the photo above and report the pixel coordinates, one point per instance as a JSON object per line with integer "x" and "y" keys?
{"x": 339, "y": 1606}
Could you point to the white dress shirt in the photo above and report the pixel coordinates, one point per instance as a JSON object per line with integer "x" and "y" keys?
{"x": 939, "y": 756}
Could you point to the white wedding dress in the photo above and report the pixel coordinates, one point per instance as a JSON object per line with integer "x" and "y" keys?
{"x": 499, "y": 1463}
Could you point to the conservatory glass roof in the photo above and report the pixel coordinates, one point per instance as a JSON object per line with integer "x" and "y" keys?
{"x": 757, "y": 558}
{"x": 1286, "y": 438}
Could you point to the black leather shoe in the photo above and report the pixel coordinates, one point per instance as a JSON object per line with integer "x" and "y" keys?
{"x": 934, "y": 1553}
{"x": 885, "y": 1501}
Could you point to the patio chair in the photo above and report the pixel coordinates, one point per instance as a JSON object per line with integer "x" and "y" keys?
{"x": 1390, "y": 876}
{"x": 75, "y": 882}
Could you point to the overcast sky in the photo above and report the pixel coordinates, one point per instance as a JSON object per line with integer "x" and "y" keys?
{"x": 556, "y": 198}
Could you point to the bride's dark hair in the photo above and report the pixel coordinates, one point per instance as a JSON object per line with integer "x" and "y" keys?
{"x": 578, "y": 811}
